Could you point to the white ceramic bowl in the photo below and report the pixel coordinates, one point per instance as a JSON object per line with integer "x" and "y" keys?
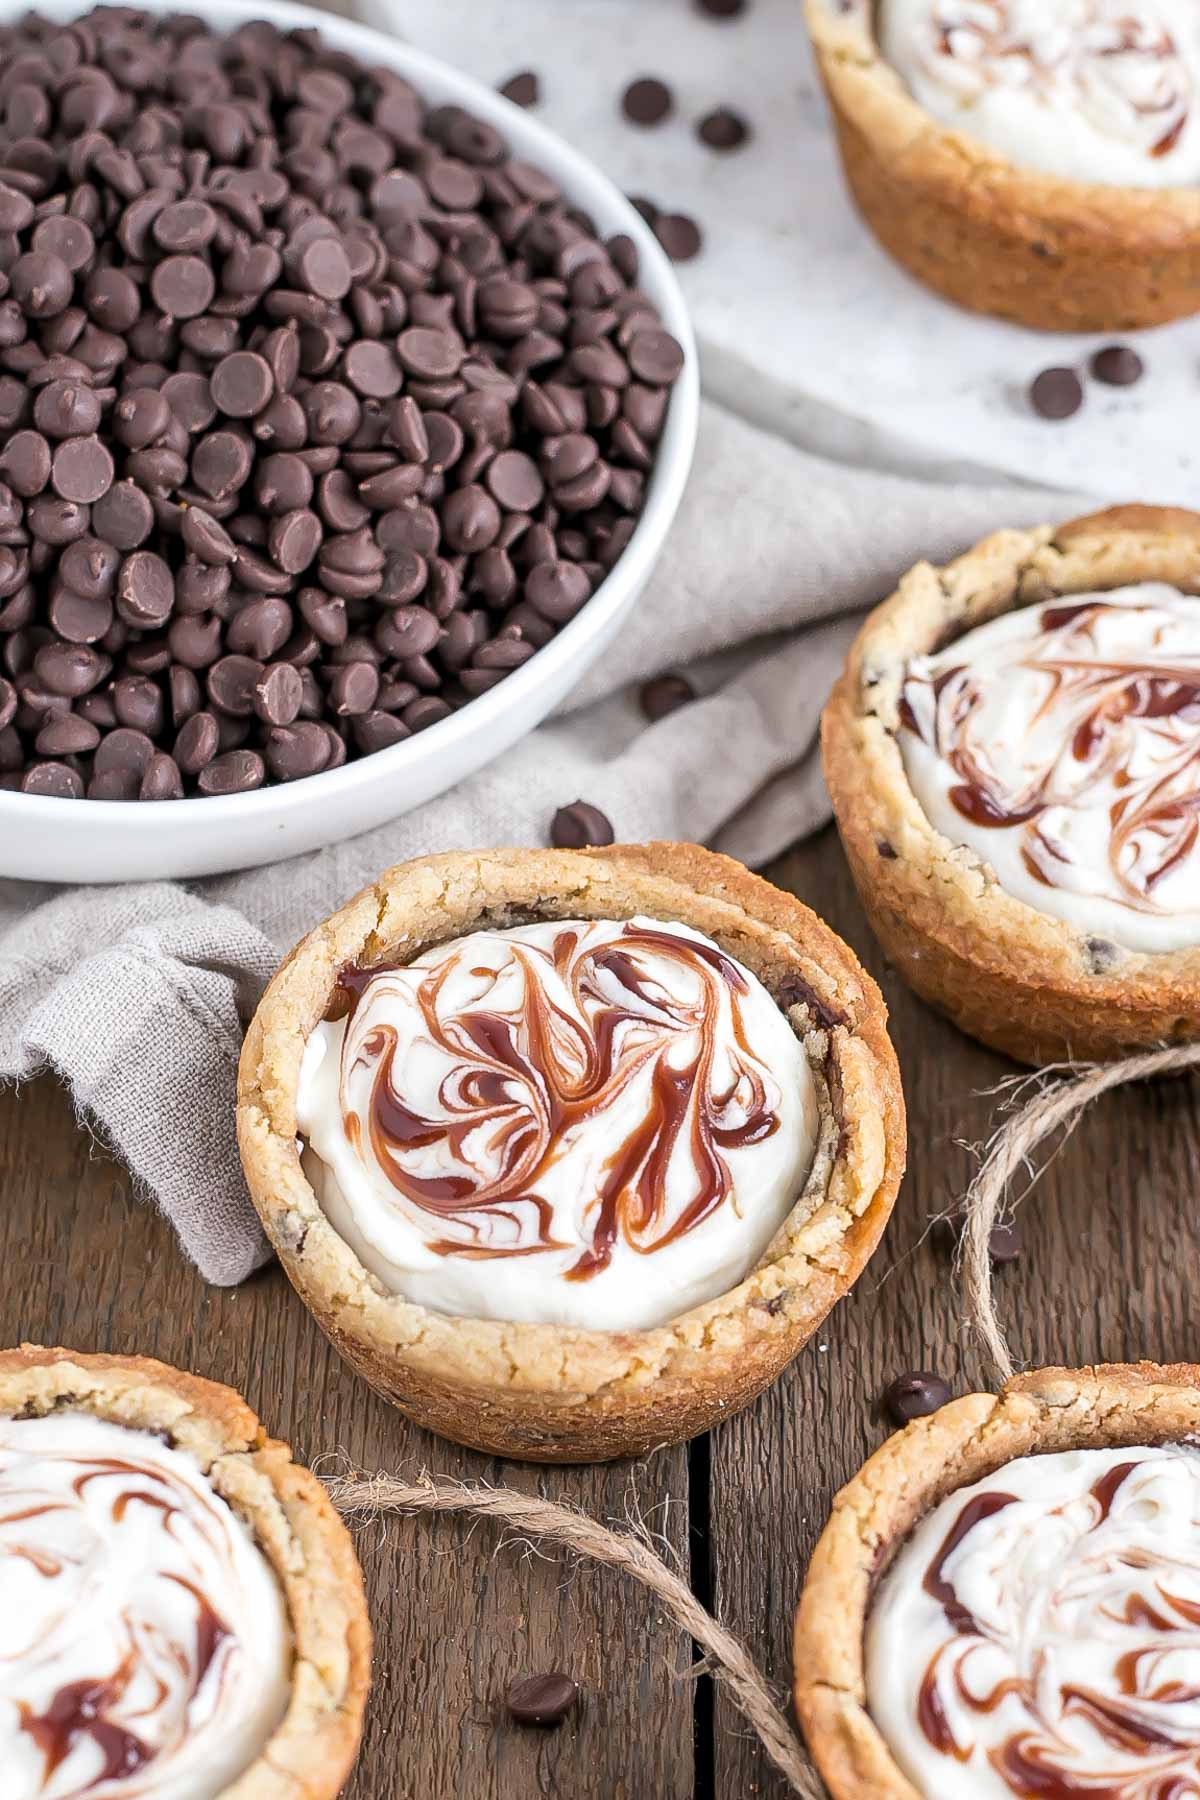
{"x": 92, "y": 840}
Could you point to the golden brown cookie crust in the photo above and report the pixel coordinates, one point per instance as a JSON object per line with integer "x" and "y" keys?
{"x": 294, "y": 1525}
{"x": 1051, "y": 253}
{"x": 966, "y": 1441}
{"x": 1017, "y": 979}
{"x": 544, "y": 1392}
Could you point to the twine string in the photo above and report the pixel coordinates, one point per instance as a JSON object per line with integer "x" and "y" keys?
{"x": 1060, "y": 1105}
{"x": 365, "y": 1497}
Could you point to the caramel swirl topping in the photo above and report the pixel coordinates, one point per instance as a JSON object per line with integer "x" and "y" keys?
{"x": 1063, "y": 743}
{"x": 1051, "y": 1627}
{"x": 144, "y": 1646}
{"x": 564, "y": 1092}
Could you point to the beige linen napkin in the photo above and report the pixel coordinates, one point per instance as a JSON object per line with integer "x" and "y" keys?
{"x": 136, "y": 995}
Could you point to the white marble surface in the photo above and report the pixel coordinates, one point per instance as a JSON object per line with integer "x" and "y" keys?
{"x": 804, "y": 324}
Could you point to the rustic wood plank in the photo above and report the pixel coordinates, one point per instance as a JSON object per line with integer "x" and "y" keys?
{"x": 456, "y": 1617}
{"x": 1108, "y": 1273}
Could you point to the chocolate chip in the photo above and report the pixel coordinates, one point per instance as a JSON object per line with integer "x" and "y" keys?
{"x": 914, "y": 1396}
{"x": 197, "y": 742}
{"x": 723, "y": 129}
{"x": 655, "y": 357}
{"x": 65, "y": 409}
{"x": 242, "y": 384}
{"x": 162, "y": 780}
{"x": 279, "y": 694}
{"x": 1117, "y": 365}
{"x": 665, "y": 695}
{"x": 82, "y": 470}
{"x": 1056, "y": 393}
{"x": 145, "y": 590}
{"x": 721, "y": 9}
{"x": 542, "y": 1700}
{"x": 1005, "y": 1242}
{"x": 575, "y": 826}
{"x": 679, "y": 236}
{"x": 556, "y": 590}
{"x": 373, "y": 370}
{"x": 25, "y": 463}
{"x": 53, "y": 780}
{"x": 297, "y": 750}
{"x": 41, "y": 284}
{"x": 236, "y": 772}
{"x": 647, "y": 101}
{"x": 183, "y": 286}
{"x": 523, "y": 89}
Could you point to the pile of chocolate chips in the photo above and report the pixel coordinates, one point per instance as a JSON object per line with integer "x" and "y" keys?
{"x": 319, "y": 411}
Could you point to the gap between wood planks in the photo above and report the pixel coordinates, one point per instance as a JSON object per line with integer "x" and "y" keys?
{"x": 700, "y": 1572}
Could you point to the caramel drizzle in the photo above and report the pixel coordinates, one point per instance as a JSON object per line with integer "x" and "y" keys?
{"x": 1105, "y": 58}
{"x": 1035, "y": 1762}
{"x": 524, "y": 1084}
{"x": 91, "y": 1709}
{"x": 1154, "y": 824}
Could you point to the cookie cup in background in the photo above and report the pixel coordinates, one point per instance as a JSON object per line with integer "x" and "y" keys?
{"x": 1020, "y": 980}
{"x": 289, "y": 1516}
{"x": 1048, "y": 252}
{"x": 969, "y": 1440}
{"x": 563, "y": 1393}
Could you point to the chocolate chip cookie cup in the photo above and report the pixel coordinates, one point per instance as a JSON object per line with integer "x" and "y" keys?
{"x": 185, "y": 1610}
{"x": 569, "y": 1152}
{"x": 1004, "y": 1600}
{"x": 1064, "y": 197}
{"x": 1013, "y": 755}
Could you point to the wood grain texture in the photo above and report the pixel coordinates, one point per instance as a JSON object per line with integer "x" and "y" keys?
{"x": 457, "y": 1615}
{"x": 1107, "y": 1272}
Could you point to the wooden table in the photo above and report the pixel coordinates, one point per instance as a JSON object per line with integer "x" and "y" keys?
{"x": 1108, "y": 1271}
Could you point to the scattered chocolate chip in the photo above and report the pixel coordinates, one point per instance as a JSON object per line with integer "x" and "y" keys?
{"x": 542, "y": 1700}
{"x": 319, "y": 411}
{"x": 647, "y": 101}
{"x": 679, "y": 235}
{"x": 1005, "y": 1243}
{"x": 664, "y": 695}
{"x": 1117, "y": 365}
{"x": 523, "y": 89}
{"x": 914, "y": 1396}
{"x": 1056, "y": 393}
{"x": 721, "y": 9}
{"x": 578, "y": 825}
{"x": 723, "y": 129}
{"x": 887, "y": 851}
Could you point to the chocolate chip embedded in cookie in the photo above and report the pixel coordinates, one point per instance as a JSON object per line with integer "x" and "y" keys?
{"x": 570, "y": 1151}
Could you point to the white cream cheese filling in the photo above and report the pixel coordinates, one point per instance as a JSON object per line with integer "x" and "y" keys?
{"x": 145, "y": 1651}
{"x": 592, "y": 1123}
{"x": 1061, "y": 743}
{"x": 1094, "y": 90}
{"x": 1040, "y": 1632}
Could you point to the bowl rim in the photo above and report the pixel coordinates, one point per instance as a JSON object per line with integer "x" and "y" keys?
{"x": 577, "y": 174}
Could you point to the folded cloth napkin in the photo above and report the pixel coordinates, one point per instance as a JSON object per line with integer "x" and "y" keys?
{"x": 136, "y": 995}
